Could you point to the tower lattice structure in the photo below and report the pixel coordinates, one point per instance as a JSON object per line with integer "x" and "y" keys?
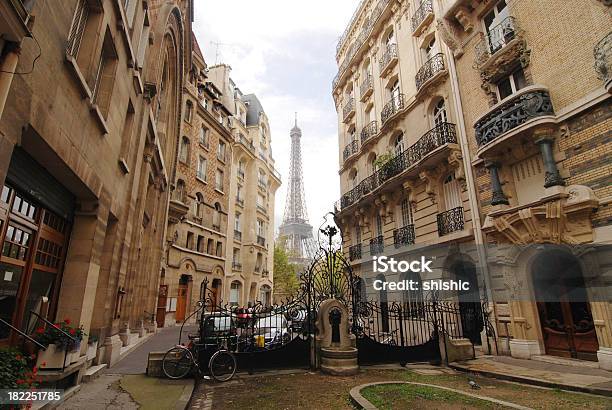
{"x": 295, "y": 231}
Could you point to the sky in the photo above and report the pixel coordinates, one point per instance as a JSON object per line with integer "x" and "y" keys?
{"x": 284, "y": 52}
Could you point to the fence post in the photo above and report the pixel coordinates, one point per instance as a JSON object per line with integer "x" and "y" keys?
{"x": 401, "y": 324}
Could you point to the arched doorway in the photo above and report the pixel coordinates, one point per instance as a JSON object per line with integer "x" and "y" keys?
{"x": 563, "y": 305}
{"x": 181, "y": 300}
{"x": 470, "y": 309}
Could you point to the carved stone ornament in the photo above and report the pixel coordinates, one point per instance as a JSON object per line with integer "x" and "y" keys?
{"x": 463, "y": 17}
{"x": 430, "y": 177}
{"x": 448, "y": 35}
{"x": 410, "y": 187}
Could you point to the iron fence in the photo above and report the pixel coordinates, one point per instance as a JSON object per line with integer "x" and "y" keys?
{"x": 369, "y": 131}
{"x": 391, "y": 108}
{"x": 428, "y": 70}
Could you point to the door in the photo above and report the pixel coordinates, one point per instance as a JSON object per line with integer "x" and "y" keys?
{"x": 563, "y": 307}
{"x": 162, "y": 300}
{"x": 499, "y": 30}
{"x": 181, "y": 302}
{"x": 452, "y": 193}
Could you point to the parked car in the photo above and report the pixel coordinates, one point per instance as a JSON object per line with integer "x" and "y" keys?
{"x": 218, "y": 329}
{"x": 274, "y": 329}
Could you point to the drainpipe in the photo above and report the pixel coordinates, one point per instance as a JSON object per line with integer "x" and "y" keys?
{"x": 469, "y": 175}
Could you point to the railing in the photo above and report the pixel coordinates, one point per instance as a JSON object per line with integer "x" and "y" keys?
{"x": 431, "y": 67}
{"x": 237, "y": 234}
{"x": 603, "y": 58}
{"x": 261, "y": 240}
{"x": 350, "y": 149}
{"x": 366, "y": 86}
{"x": 262, "y": 184}
{"x": 377, "y": 245}
{"x": 521, "y": 108}
{"x": 369, "y": 131}
{"x": 355, "y": 252}
{"x": 262, "y": 208}
{"x": 421, "y": 14}
{"x": 236, "y": 266}
{"x": 403, "y": 236}
{"x": 438, "y": 136}
{"x": 348, "y": 108}
{"x": 450, "y": 221}
{"x": 248, "y": 144}
{"x": 275, "y": 173}
{"x": 392, "y": 107}
{"x": 497, "y": 37}
{"x": 389, "y": 54}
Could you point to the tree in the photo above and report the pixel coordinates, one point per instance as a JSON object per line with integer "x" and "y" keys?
{"x": 285, "y": 274}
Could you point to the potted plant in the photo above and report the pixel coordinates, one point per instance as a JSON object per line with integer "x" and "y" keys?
{"x": 63, "y": 342}
{"x": 16, "y": 371}
{"x": 92, "y": 347}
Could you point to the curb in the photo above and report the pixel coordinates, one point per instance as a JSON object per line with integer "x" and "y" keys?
{"x": 185, "y": 398}
{"x": 362, "y": 403}
{"x": 533, "y": 381}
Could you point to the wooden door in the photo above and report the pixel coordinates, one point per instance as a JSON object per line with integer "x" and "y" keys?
{"x": 181, "y": 302}
{"x": 162, "y": 299}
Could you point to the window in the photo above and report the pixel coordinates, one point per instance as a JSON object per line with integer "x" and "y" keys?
{"x": 199, "y": 205}
{"x": 237, "y": 222}
{"x": 235, "y": 293}
{"x": 399, "y": 144}
{"x": 217, "y": 216}
{"x": 236, "y": 256}
{"x": 189, "y": 243}
{"x": 353, "y": 179}
{"x": 379, "y": 225}
{"x": 258, "y": 262}
{"x": 405, "y": 212}
{"x": 144, "y": 40}
{"x": 452, "y": 192}
{"x": 239, "y": 194}
{"x": 219, "y": 251}
{"x": 221, "y": 151}
{"x": 103, "y": 81}
{"x": 264, "y": 295}
{"x": 200, "y": 247}
{"x": 394, "y": 92}
{"x": 497, "y": 35}
{"x": 219, "y": 180}
{"x": 209, "y": 246}
{"x": 262, "y": 180}
{"x": 201, "y": 170}
{"x": 261, "y": 201}
{"x": 204, "y": 136}
{"x": 261, "y": 230}
{"x": 439, "y": 113}
{"x": 179, "y": 192}
{"x": 188, "y": 110}
{"x": 184, "y": 152}
{"x": 390, "y": 39}
{"x": 357, "y": 234}
{"x": 126, "y": 134}
{"x": 413, "y": 298}
{"x": 510, "y": 84}
{"x": 431, "y": 49}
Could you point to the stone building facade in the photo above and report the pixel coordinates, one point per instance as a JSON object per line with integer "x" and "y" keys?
{"x": 527, "y": 86}
{"x": 89, "y": 146}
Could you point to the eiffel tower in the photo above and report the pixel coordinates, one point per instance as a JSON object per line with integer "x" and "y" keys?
{"x": 295, "y": 232}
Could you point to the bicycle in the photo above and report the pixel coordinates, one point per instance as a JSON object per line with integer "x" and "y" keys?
{"x": 180, "y": 360}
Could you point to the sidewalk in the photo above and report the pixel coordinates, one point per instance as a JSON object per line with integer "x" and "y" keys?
{"x": 544, "y": 371}
{"x": 125, "y": 386}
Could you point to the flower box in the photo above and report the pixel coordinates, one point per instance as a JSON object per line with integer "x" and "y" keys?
{"x": 74, "y": 353}
{"x": 52, "y": 358}
{"x": 92, "y": 349}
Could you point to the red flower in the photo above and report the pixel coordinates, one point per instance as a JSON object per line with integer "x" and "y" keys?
{"x": 33, "y": 356}
{"x": 67, "y": 321}
{"x": 18, "y": 357}
{"x": 40, "y": 330}
{"x": 56, "y": 325}
{"x": 72, "y": 331}
{"x": 19, "y": 381}
{"x": 34, "y": 370}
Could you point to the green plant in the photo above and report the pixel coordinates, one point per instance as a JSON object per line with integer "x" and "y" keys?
{"x": 16, "y": 371}
{"x": 57, "y": 334}
{"x": 383, "y": 159}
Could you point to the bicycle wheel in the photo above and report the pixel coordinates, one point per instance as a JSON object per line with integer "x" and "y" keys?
{"x": 222, "y": 365}
{"x": 177, "y": 362}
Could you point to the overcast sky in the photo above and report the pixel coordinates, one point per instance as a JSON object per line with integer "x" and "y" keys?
{"x": 284, "y": 51}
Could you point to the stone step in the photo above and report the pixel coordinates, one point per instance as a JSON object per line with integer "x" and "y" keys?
{"x": 93, "y": 372}
{"x": 566, "y": 361}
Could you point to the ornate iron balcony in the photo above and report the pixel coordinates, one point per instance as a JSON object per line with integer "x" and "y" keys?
{"x": 366, "y": 87}
{"x": 349, "y": 108}
{"x": 403, "y": 236}
{"x": 377, "y": 245}
{"x": 392, "y": 107}
{"x": 261, "y": 240}
{"x": 355, "y": 252}
{"x": 369, "y": 131}
{"x": 389, "y": 55}
{"x": 603, "y": 58}
{"x": 262, "y": 208}
{"x": 497, "y": 37}
{"x": 431, "y": 67}
{"x": 450, "y": 221}
{"x": 237, "y": 234}
{"x": 350, "y": 149}
{"x": 236, "y": 266}
{"x": 509, "y": 115}
{"x": 442, "y": 134}
{"x": 424, "y": 10}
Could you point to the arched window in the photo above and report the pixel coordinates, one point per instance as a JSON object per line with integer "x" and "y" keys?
{"x": 234, "y": 297}
{"x": 184, "y": 152}
{"x": 204, "y": 136}
{"x": 395, "y": 93}
{"x": 399, "y": 143}
{"x": 452, "y": 192}
{"x": 439, "y": 113}
{"x": 188, "y": 111}
{"x": 390, "y": 39}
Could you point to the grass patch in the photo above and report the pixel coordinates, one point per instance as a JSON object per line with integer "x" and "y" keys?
{"x": 152, "y": 393}
{"x": 393, "y": 396}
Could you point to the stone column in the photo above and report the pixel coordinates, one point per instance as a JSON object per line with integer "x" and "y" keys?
{"x": 498, "y": 197}
{"x": 552, "y": 177}
{"x": 8, "y": 65}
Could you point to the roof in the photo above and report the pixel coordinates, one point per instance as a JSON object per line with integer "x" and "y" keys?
{"x": 254, "y": 108}
{"x": 196, "y": 46}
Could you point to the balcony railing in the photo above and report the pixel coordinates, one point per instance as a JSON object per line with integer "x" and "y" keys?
{"x": 436, "y": 137}
{"x": 349, "y": 108}
{"x": 450, "y": 221}
{"x": 261, "y": 240}
{"x": 424, "y": 10}
{"x": 366, "y": 87}
{"x": 262, "y": 208}
{"x": 369, "y": 131}
{"x": 236, "y": 266}
{"x": 237, "y": 234}
{"x": 377, "y": 245}
{"x": 388, "y": 56}
{"x": 350, "y": 149}
{"x": 392, "y": 107}
{"x": 431, "y": 67}
{"x": 521, "y": 108}
{"x": 248, "y": 144}
{"x": 403, "y": 236}
{"x": 603, "y": 58}
{"x": 497, "y": 37}
{"x": 355, "y": 252}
